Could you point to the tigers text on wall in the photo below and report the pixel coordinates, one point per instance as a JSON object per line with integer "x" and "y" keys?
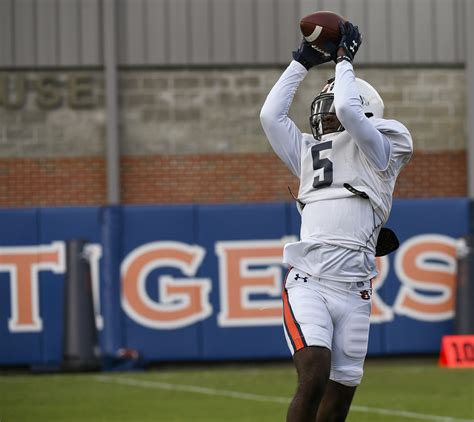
{"x": 204, "y": 281}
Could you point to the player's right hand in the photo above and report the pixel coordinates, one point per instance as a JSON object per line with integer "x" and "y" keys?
{"x": 350, "y": 39}
{"x": 308, "y": 56}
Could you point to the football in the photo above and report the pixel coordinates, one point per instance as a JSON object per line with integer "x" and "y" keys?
{"x": 321, "y": 28}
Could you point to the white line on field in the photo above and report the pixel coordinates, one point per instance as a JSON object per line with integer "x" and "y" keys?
{"x": 405, "y": 414}
{"x": 258, "y": 397}
{"x": 192, "y": 389}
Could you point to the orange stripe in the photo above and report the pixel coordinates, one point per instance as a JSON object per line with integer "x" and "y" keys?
{"x": 290, "y": 323}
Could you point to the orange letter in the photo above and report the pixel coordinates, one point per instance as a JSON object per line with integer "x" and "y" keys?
{"x": 426, "y": 263}
{"x": 183, "y": 301}
{"x": 23, "y": 263}
{"x": 380, "y": 311}
{"x": 239, "y": 281}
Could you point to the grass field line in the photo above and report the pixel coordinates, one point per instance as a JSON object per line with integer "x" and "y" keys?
{"x": 261, "y": 398}
{"x": 192, "y": 389}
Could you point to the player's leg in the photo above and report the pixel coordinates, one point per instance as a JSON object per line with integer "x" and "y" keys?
{"x": 349, "y": 347}
{"x": 308, "y": 331}
{"x": 336, "y": 402}
{"x": 313, "y": 365}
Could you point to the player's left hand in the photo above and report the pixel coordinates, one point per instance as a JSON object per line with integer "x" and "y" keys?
{"x": 308, "y": 56}
{"x": 350, "y": 40}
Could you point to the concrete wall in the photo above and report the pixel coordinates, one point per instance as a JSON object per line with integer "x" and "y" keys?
{"x": 207, "y": 116}
{"x": 205, "y": 111}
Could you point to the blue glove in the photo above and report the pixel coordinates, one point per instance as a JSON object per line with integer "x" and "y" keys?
{"x": 309, "y": 56}
{"x": 350, "y": 41}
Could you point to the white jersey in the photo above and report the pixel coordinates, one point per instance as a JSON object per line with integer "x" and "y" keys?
{"x": 339, "y": 229}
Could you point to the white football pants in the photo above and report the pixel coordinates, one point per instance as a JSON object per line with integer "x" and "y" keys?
{"x": 331, "y": 314}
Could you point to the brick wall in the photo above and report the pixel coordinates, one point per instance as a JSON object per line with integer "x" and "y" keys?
{"x": 26, "y": 182}
{"x": 262, "y": 178}
{"x": 194, "y": 135}
{"x": 198, "y": 178}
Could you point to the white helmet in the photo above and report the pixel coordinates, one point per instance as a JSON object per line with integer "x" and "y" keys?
{"x": 322, "y": 108}
{"x": 372, "y": 102}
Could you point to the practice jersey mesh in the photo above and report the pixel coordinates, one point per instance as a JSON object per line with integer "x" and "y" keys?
{"x": 339, "y": 229}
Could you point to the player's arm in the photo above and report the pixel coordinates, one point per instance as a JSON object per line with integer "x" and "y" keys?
{"x": 282, "y": 133}
{"x": 374, "y": 144}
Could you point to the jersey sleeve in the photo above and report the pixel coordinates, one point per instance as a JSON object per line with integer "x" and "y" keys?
{"x": 401, "y": 143}
{"x": 282, "y": 133}
{"x": 373, "y": 143}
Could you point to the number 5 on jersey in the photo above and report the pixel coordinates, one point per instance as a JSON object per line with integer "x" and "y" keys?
{"x": 322, "y": 166}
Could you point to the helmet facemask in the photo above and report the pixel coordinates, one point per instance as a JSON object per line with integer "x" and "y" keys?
{"x": 323, "y": 119}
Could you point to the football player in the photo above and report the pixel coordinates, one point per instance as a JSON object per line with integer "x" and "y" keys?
{"x": 347, "y": 170}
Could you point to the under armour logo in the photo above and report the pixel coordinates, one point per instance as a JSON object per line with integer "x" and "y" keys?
{"x": 365, "y": 294}
{"x": 353, "y": 46}
{"x": 297, "y": 277}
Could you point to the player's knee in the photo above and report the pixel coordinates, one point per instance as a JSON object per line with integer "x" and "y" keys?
{"x": 348, "y": 376}
{"x": 314, "y": 380}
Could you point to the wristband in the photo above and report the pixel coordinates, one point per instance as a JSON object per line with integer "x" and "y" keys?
{"x": 341, "y": 58}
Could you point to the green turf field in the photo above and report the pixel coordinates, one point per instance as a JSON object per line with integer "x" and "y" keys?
{"x": 392, "y": 390}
